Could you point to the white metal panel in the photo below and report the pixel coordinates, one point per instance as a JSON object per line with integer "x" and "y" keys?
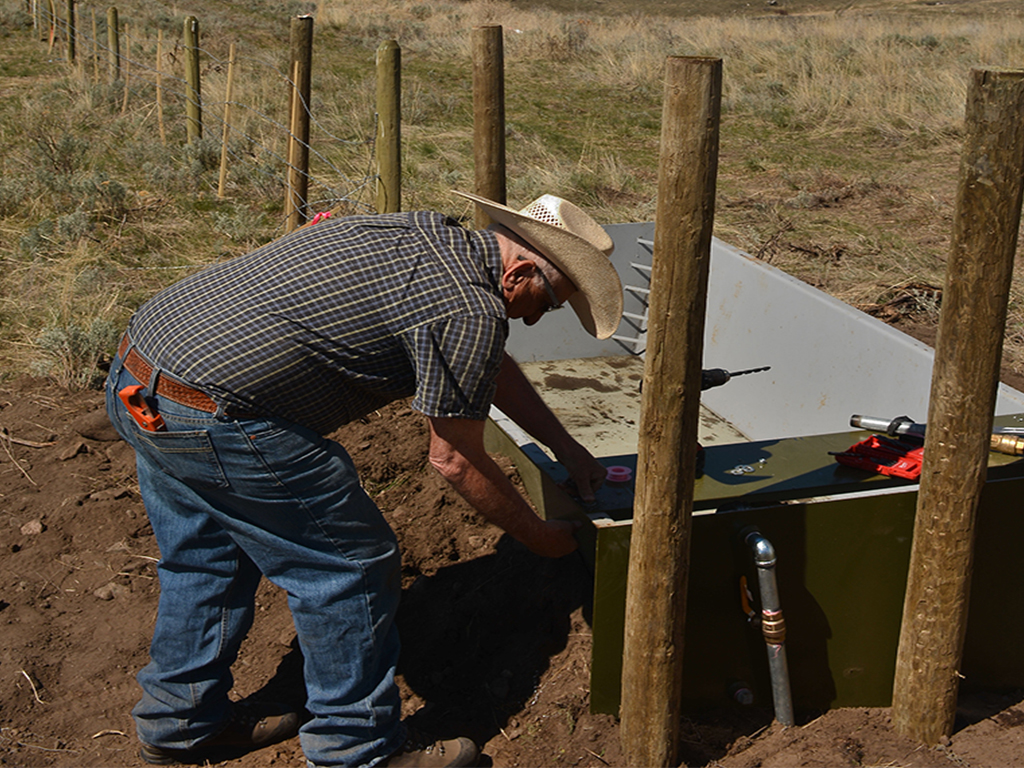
{"x": 828, "y": 360}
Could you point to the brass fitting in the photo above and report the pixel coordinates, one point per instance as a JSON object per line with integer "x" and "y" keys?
{"x": 773, "y": 627}
{"x": 1009, "y": 444}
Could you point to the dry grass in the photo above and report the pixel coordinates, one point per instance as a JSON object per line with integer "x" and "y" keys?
{"x": 840, "y": 138}
{"x": 837, "y": 71}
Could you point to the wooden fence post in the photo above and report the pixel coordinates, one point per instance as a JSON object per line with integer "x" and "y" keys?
{"x": 71, "y": 31}
{"x": 95, "y": 48}
{"x": 290, "y": 207}
{"x": 222, "y": 179}
{"x": 45, "y": 19}
{"x": 488, "y": 117}
{"x": 160, "y": 86}
{"x": 298, "y": 110}
{"x": 193, "y": 93}
{"x": 127, "y": 68}
{"x": 963, "y": 394}
{"x": 659, "y": 556}
{"x": 53, "y": 25}
{"x": 389, "y": 127}
{"x": 113, "y": 45}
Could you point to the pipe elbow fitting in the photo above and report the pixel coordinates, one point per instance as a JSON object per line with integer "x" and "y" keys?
{"x": 764, "y": 552}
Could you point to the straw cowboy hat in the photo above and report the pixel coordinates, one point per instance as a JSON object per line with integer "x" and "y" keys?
{"x": 574, "y": 243}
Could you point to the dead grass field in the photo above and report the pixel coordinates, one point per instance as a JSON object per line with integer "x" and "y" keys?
{"x": 841, "y": 131}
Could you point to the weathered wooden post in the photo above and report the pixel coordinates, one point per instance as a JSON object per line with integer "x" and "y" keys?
{"x": 667, "y": 450}
{"x": 298, "y": 134}
{"x": 222, "y": 179}
{"x": 291, "y": 215}
{"x": 127, "y": 68}
{"x": 53, "y": 24}
{"x": 71, "y": 31}
{"x": 389, "y": 127}
{"x": 160, "y": 86}
{"x": 193, "y": 96}
{"x": 488, "y": 117}
{"x": 963, "y": 393}
{"x": 95, "y": 48}
{"x": 113, "y": 45}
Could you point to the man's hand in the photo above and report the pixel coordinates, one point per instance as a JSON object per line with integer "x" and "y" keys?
{"x": 457, "y": 452}
{"x": 557, "y": 539}
{"x": 585, "y": 472}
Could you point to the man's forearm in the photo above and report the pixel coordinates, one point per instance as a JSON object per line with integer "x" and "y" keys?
{"x": 457, "y": 452}
{"x": 519, "y": 400}
{"x": 482, "y": 483}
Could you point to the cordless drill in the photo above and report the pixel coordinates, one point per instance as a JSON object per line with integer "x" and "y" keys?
{"x": 709, "y": 379}
{"x": 716, "y": 377}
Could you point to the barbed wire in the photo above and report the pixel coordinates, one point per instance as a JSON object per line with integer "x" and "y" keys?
{"x": 335, "y": 185}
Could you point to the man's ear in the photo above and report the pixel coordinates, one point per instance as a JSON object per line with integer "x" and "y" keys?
{"x": 517, "y": 273}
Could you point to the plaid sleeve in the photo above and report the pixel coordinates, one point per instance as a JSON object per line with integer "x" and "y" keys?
{"x": 457, "y": 361}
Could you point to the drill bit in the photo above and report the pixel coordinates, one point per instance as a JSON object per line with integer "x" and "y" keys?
{"x": 716, "y": 377}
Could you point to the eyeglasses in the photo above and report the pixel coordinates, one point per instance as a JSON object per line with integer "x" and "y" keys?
{"x": 548, "y": 288}
{"x": 555, "y": 303}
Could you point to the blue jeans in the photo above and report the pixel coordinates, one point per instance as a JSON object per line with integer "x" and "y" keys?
{"x": 229, "y": 500}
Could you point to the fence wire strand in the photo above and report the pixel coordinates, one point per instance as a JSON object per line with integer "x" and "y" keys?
{"x": 335, "y": 187}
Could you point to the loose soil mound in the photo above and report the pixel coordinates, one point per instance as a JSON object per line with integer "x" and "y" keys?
{"x": 496, "y": 641}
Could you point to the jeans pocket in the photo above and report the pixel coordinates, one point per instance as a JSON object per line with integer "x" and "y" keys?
{"x": 281, "y": 447}
{"x": 188, "y": 456}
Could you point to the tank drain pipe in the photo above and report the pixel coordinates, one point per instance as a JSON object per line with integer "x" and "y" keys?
{"x": 773, "y": 625}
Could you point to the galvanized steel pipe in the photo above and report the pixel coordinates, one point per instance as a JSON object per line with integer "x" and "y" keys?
{"x": 773, "y": 625}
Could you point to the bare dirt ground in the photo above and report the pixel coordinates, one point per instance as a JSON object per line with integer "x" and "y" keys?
{"x": 496, "y": 641}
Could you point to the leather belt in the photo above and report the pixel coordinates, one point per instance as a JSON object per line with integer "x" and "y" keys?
{"x": 167, "y": 387}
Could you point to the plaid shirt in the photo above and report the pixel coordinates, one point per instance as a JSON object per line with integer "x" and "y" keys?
{"x": 334, "y": 320}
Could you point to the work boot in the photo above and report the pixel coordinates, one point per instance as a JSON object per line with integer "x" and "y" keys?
{"x": 249, "y": 728}
{"x": 423, "y": 751}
